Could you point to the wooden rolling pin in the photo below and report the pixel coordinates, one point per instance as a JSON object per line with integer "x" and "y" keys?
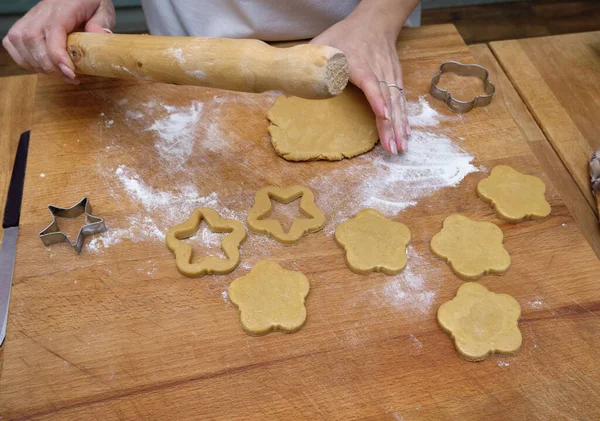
{"x": 308, "y": 71}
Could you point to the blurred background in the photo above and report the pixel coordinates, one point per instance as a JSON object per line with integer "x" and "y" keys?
{"x": 477, "y": 20}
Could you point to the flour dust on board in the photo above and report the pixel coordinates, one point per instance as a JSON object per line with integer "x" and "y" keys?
{"x": 181, "y": 142}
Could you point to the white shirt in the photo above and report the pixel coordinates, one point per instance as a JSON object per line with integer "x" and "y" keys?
{"x": 267, "y": 20}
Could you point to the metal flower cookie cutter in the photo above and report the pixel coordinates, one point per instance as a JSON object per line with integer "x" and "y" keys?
{"x": 94, "y": 225}
{"x": 460, "y": 69}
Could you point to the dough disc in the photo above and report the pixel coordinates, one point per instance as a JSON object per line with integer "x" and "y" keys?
{"x": 329, "y": 129}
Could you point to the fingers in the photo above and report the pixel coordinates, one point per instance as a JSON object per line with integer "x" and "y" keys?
{"x": 389, "y": 126}
{"x": 38, "y": 41}
{"x": 38, "y": 49}
{"x": 400, "y": 111}
{"x": 369, "y": 84}
{"x": 42, "y": 52}
{"x": 385, "y": 126}
{"x": 103, "y": 19}
{"x": 18, "y": 41}
{"x": 56, "y": 42}
{"x": 16, "y": 56}
{"x": 378, "y": 95}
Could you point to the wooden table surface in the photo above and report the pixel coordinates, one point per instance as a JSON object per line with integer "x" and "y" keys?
{"x": 558, "y": 78}
{"x": 118, "y": 333}
{"x": 16, "y": 110}
{"x": 575, "y": 198}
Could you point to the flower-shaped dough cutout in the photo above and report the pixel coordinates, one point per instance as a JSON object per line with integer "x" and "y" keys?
{"x": 471, "y": 248}
{"x": 270, "y": 298}
{"x": 373, "y": 243}
{"x": 315, "y": 219}
{"x": 481, "y": 323}
{"x": 514, "y": 196}
{"x": 208, "y": 265}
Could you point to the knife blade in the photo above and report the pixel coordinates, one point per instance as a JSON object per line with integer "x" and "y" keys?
{"x": 10, "y": 223}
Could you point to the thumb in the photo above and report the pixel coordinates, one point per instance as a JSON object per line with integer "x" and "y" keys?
{"x": 103, "y": 19}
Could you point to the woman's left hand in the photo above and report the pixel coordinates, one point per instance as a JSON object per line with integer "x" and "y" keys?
{"x": 370, "y": 47}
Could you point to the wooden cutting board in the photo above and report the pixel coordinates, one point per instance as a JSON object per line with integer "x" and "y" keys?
{"x": 118, "y": 333}
{"x": 558, "y": 79}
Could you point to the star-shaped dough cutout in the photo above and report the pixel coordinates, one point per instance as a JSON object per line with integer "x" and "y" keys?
{"x": 373, "y": 243}
{"x": 471, "y": 248}
{"x": 207, "y": 265}
{"x": 481, "y": 323}
{"x": 270, "y": 298}
{"x": 513, "y": 195}
{"x": 314, "y": 221}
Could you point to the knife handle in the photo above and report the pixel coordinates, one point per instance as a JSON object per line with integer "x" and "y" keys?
{"x": 12, "y": 212}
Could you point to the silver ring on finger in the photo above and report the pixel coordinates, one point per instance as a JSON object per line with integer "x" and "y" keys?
{"x": 394, "y": 85}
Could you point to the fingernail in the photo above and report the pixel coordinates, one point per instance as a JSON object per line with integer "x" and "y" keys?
{"x": 393, "y": 147}
{"x": 386, "y": 112}
{"x": 66, "y": 71}
{"x": 108, "y": 31}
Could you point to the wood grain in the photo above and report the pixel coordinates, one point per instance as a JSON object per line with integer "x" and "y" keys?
{"x": 556, "y": 77}
{"x": 17, "y": 94}
{"x": 516, "y": 20}
{"x": 117, "y": 333}
{"x": 541, "y": 147}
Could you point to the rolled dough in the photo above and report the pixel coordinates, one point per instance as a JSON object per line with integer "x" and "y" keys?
{"x": 513, "y": 195}
{"x": 471, "y": 248}
{"x": 207, "y": 265}
{"x": 481, "y": 322}
{"x": 327, "y": 129}
{"x": 270, "y": 298}
{"x": 257, "y": 217}
{"x": 373, "y": 243}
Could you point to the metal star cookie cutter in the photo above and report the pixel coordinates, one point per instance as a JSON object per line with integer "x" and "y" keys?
{"x": 460, "y": 69}
{"x": 52, "y": 234}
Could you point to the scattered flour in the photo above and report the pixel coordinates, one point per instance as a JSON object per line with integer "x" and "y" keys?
{"x": 207, "y": 238}
{"x": 133, "y": 115}
{"x": 536, "y": 304}
{"x": 158, "y": 210}
{"x": 198, "y": 74}
{"x": 42, "y": 175}
{"x": 176, "y": 132}
{"x": 136, "y": 228}
{"x": 417, "y": 343}
{"x": 421, "y": 114}
{"x": 169, "y": 206}
{"x": 387, "y": 183}
{"x": 503, "y": 363}
{"x": 390, "y": 183}
{"x": 225, "y": 296}
{"x": 126, "y": 70}
{"x": 408, "y": 289}
{"x": 177, "y": 54}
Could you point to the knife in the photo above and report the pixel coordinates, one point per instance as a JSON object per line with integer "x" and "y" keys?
{"x": 12, "y": 214}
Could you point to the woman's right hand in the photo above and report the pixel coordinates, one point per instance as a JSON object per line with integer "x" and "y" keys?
{"x": 38, "y": 41}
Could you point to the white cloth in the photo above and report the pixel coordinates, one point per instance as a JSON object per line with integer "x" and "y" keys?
{"x": 267, "y": 20}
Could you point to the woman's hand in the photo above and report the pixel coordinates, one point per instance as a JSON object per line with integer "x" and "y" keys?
{"x": 368, "y": 38}
{"x": 38, "y": 41}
